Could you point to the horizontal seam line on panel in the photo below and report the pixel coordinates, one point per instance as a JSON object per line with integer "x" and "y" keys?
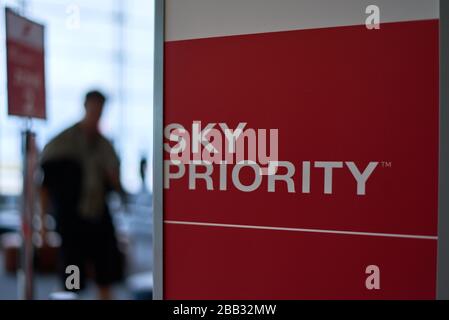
{"x": 354, "y": 233}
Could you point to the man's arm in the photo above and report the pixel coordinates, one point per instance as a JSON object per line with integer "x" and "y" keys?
{"x": 114, "y": 180}
{"x": 112, "y": 166}
{"x": 44, "y": 207}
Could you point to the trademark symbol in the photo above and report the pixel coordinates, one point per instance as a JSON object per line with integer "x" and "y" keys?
{"x": 387, "y": 164}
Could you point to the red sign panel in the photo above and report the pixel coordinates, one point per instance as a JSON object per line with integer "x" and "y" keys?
{"x": 26, "y": 66}
{"x": 357, "y": 122}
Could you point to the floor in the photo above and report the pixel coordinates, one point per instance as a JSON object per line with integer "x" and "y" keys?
{"x": 138, "y": 230}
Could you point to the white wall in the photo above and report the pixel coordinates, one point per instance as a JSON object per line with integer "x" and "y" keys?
{"x": 195, "y": 19}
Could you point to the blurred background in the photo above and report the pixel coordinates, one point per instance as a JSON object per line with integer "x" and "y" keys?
{"x": 102, "y": 44}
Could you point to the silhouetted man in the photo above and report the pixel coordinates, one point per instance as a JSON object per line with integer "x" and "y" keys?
{"x": 80, "y": 167}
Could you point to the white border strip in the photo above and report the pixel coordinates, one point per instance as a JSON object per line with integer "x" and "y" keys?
{"x": 197, "y": 19}
{"x": 158, "y": 162}
{"x": 443, "y": 207}
{"x": 351, "y": 233}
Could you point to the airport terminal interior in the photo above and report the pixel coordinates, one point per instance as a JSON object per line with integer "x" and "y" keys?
{"x": 105, "y": 45}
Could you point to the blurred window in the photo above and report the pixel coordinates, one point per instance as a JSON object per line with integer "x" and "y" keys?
{"x": 105, "y": 44}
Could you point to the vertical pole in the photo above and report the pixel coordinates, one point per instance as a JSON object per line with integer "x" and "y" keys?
{"x": 25, "y": 277}
{"x": 158, "y": 163}
{"x": 443, "y": 206}
{"x": 26, "y": 285}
